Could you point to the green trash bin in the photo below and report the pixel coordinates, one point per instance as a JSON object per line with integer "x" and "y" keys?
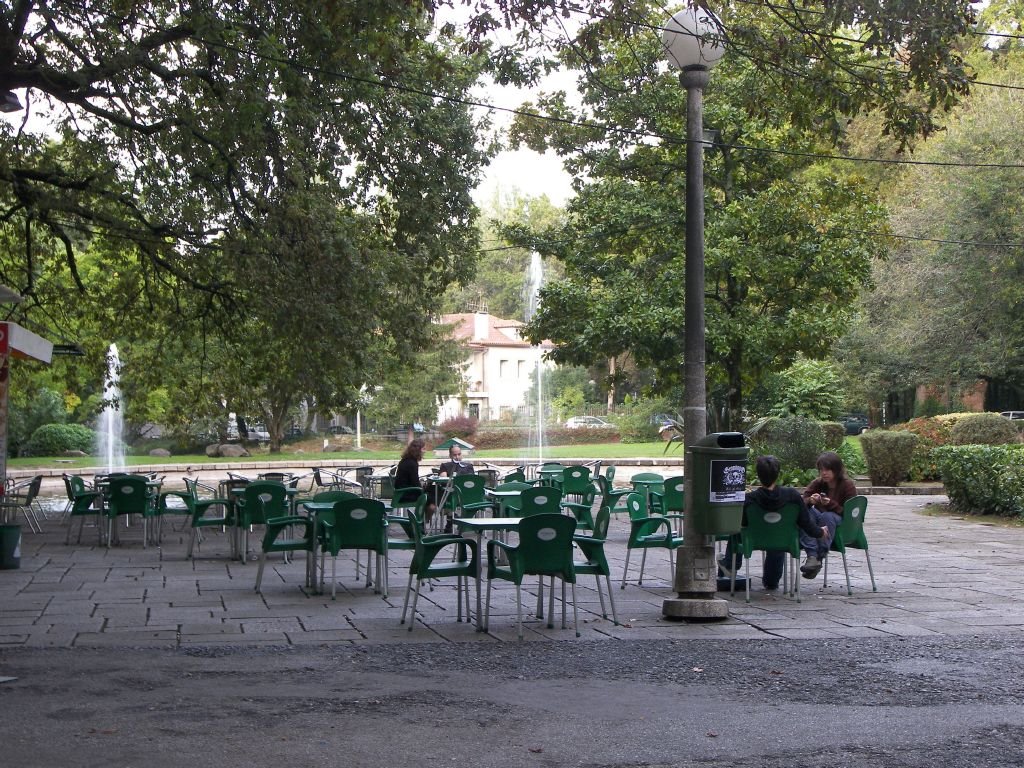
{"x": 719, "y": 462}
{"x": 10, "y": 547}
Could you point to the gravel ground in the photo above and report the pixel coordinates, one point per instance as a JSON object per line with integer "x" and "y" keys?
{"x": 938, "y": 702}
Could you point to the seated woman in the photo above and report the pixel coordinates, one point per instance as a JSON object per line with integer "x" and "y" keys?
{"x": 825, "y": 498}
{"x": 407, "y": 476}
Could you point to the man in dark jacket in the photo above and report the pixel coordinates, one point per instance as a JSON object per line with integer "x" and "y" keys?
{"x": 770, "y": 497}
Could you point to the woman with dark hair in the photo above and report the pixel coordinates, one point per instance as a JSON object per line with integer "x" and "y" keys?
{"x": 407, "y": 475}
{"x": 825, "y": 497}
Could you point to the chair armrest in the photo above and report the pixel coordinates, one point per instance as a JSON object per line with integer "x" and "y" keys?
{"x": 588, "y": 545}
{"x": 647, "y": 526}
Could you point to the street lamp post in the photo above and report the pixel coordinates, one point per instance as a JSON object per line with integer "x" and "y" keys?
{"x": 692, "y": 43}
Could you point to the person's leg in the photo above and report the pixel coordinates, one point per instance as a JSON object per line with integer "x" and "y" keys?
{"x": 771, "y": 575}
{"x": 831, "y": 521}
{"x": 808, "y": 543}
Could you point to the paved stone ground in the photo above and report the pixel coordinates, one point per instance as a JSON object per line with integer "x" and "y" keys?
{"x": 935, "y": 576}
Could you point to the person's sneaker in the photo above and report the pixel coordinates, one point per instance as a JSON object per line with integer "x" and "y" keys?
{"x": 810, "y": 567}
{"x": 725, "y": 568}
{"x": 448, "y": 525}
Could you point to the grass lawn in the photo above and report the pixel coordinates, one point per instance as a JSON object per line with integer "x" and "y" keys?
{"x": 290, "y": 457}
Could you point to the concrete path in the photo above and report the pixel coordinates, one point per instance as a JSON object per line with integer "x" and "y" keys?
{"x": 935, "y": 576}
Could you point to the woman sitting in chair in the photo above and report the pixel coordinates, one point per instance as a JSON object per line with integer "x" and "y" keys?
{"x": 825, "y": 497}
{"x": 407, "y": 476}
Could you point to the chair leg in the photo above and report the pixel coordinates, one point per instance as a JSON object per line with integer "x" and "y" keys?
{"x": 611, "y": 599}
{"x": 795, "y": 561}
{"x": 487, "y": 607}
{"x": 519, "y": 611}
{"x": 846, "y": 570}
{"x": 551, "y": 602}
{"x": 409, "y": 588}
{"x": 575, "y": 611}
{"x": 191, "y": 543}
{"x": 746, "y": 564}
{"x": 643, "y": 564}
{"x": 625, "y": 569}
{"x": 334, "y": 575}
{"x": 563, "y": 599}
{"x": 871, "y": 573}
{"x": 259, "y": 571}
{"x": 600, "y": 595}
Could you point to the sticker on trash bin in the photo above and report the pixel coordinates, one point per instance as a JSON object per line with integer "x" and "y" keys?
{"x": 728, "y": 482}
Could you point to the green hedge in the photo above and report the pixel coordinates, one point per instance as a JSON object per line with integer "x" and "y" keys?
{"x": 888, "y": 455}
{"x": 55, "y": 439}
{"x": 983, "y": 479}
{"x": 520, "y": 438}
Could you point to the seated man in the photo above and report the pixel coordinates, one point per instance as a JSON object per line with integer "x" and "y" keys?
{"x": 454, "y": 466}
{"x": 770, "y": 497}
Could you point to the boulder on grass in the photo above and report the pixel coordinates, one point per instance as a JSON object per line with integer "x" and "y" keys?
{"x": 231, "y": 451}
{"x": 160, "y": 453}
{"x": 213, "y": 451}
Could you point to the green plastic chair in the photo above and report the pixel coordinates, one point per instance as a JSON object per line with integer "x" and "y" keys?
{"x": 581, "y": 507}
{"x": 850, "y": 535}
{"x": 539, "y": 500}
{"x": 261, "y": 500}
{"x": 279, "y": 535}
{"x": 647, "y": 532}
{"x": 84, "y": 503}
{"x": 198, "y": 510}
{"x": 515, "y": 476}
{"x": 575, "y": 481}
{"x": 407, "y": 524}
{"x": 614, "y": 499}
{"x": 468, "y": 495}
{"x": 355, "y": 524}
{"x": 771, "y": 531}
{"x": 595, "y": 563}
{"x": 653, "y": 492}
{"x": 131, "y": 495}
{"x": 426, "y": 565}
{"x": 512, "y": 506}
{"x": 544, "y": 549}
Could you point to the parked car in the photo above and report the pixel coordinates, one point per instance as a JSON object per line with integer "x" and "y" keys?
{"x": 1013, "y": 414}
{"x": 336, "y": 429}
{"x": 258, "y": 432}
{"x": 854, "y": 423}
{"x": 587, "y": 422}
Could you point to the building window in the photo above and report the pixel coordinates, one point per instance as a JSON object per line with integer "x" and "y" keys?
{"x": 503, "y": 368}
{"x": 521, "y": 369}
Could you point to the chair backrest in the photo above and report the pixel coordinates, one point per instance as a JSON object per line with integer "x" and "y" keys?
{"x": 545, "y": 545}
{"x": 851, "y": 527}
{"x": 609, "y": 473}
{"x": 279, "y": 477}
{"x": 516, "y": 476}
{"x": 129, "y": 495}
{"x": 513, "y": 485}
{"x": 772, "y": 530}
{"x": 471, "y": 488}
{"x": 674, "y": 498}
{"x": 636, "y": 505}
{"x": 357, "y": 524}
{"x": 541, "y": 499}
{"x": 647, "y": 476}
{"x": 33, "y": 489}
{"x": 575, "y": 480}
{"x": 601, "y": 519}
{"x": 263, "y": 499}
{"x": 335, "y": 496}
{"x": 192, "y": 489}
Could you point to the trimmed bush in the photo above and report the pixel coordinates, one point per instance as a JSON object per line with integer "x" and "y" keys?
{"x": 458, "y": 426}
{"x": 931, "y": 431}
{"x": 853, "y": 460}
{"x": 983, "y": 479}
{"x": 796, "y": 441}
{"x": 835, "y": 434}
{"x": 983, "y": 429}
{"x": 888, "y": 455}
{"x": 55, "y": 439}
{"x": 520, "y": 438}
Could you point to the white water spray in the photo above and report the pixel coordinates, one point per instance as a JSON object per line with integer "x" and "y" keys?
{"x": 111, "y": 423}
{"x": 535, "y": 279}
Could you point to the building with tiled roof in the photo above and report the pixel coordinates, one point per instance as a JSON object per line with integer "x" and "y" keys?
{"x": 500, "y": 370}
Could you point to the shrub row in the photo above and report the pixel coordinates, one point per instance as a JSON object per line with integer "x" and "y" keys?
{"x": 888, "y": 455}
{"x": 983, "y": 479}
{"x": 56, "y": 439}
{"x": 520, "y": 438}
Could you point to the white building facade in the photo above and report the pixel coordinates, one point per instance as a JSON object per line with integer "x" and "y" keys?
{"x": 500, "y": 371}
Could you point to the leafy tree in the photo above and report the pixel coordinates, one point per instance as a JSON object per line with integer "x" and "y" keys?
{"x": 947, "y": 308}
{"x": 788, "y": 244}
{"x": 808, "y": 388}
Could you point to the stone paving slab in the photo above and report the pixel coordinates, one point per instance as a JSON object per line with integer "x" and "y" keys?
{"x": 950, "y": 576}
